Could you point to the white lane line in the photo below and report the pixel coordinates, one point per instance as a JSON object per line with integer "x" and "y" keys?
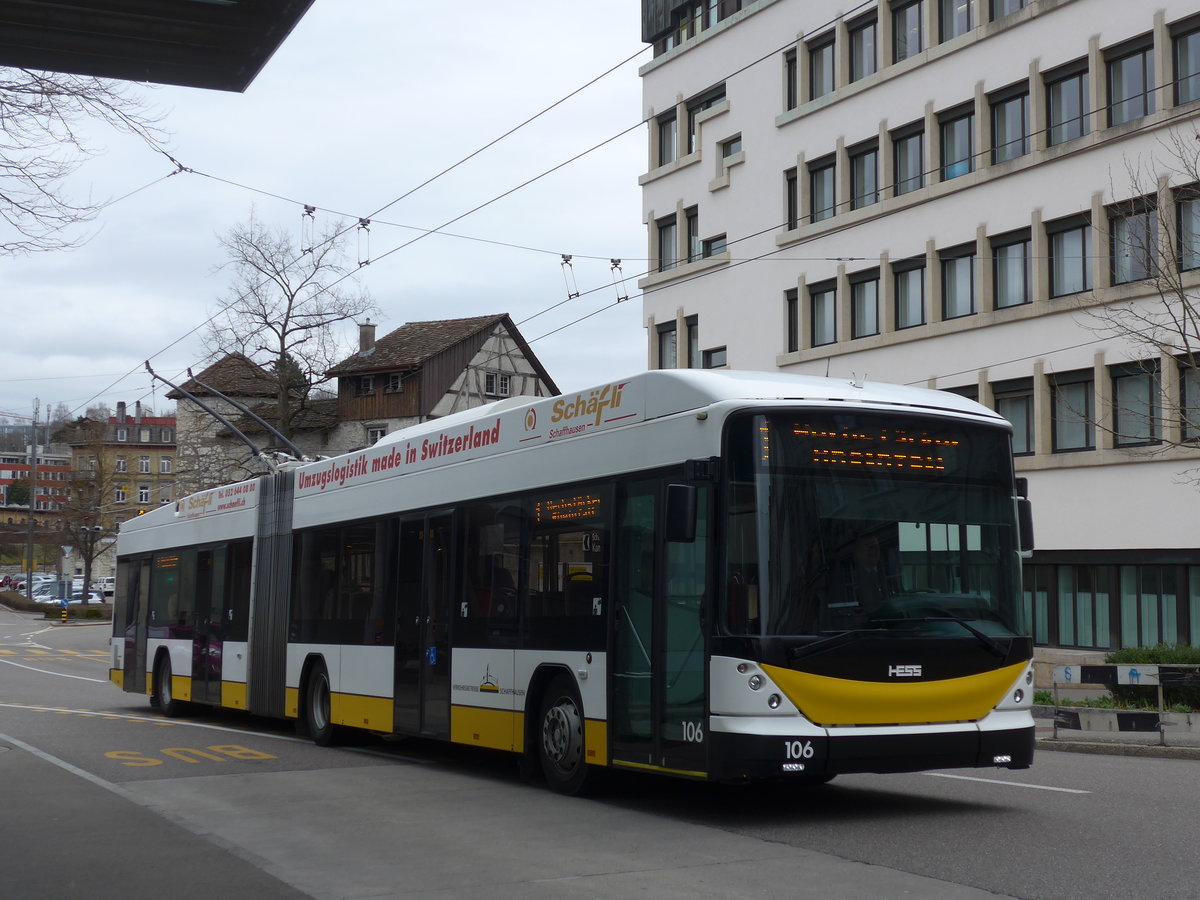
{"x": 1020, "y": 784}
{"x": 9, "y": 662}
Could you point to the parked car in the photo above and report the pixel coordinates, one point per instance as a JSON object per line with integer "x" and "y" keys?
{"x": 76, "y": 599}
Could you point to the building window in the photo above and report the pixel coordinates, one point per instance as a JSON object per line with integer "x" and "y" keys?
{"x": 954, "y": 18}
{"x": 1131, "y": 86}
{"x": 714, "y": 246}
{"x": 1067, "y": 105}
{"x": 822, "y": 188}
{"x": 864, "y": 176}
{"x": 958, "y": 140}
{"x": 695, "y": 107}
{"x": 366, "y": 385}
{"x": 906, "y": 30}
{"x": 668, "y": 138}
{"x": 864, "y": 59}
{"x": 692, "y": 327}
{"x": 667, "y": 258}
{"x": 1010, "y": 125}
{"x": 496, "y": 384}
{"x": 864, "y": 305}
{"x": 791, "y": 87}
{"x": 1012, "y": 270}
{"x": 1083, "y": 606}
{"x": 1187, "y": 205}
{"x": 715, "y": 358}
{"x": 731, "y": 147}
{"x": 667, "y": 351}
{"x": 1149, "y": 606}
{"x": 375, "y": 433}
{"x": 1074, "y": 411}
{"x": 143, "y": 493}
{"x": 122, "y": 464}
{"x": 165, "y": 435}
{"x": 144, "y": 435}
{"x": 1189, "y": 398}
{"x": 1135, "y": 403}
{"x": 691, "y": 219}
{"x": 909, "y": 277}
{"x": 1002, "y": 8}
{"x": 395, "y": 383}
{"x": 164, "y": 465}
{"x": 1070, "y": 263}
{"x": 1014, "y": 401}
{"x": 791, "y": 301}
{"x": 791, "y": 201}
{"x": 1187, "y": 67}
{"x": 119, "y": 494}
{"x": 823, "y": 313}
{"x": 1133, "y": 233}
{"x": 959, "y": 283}
{"x": 908, "y": 147}
{"x": 122, "y": 434}
{"x": 820, "y": 69}
{"x": 143, "y": 465}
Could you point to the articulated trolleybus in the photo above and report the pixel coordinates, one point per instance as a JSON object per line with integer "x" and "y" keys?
{"x": 721, "y": 576}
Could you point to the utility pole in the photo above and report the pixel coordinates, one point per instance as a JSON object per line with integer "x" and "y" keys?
{"x": 33, "y": 455}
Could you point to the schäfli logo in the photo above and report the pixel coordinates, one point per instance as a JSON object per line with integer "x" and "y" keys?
{"x": 488, "y": 684}
{"x": 592, "y": 406}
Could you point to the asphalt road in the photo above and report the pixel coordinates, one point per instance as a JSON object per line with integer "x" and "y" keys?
{"x": 104, "y": 798}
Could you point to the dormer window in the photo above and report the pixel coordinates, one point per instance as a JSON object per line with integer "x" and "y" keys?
{"x": 122, "y": 434}
{"x": 366, "y": 384}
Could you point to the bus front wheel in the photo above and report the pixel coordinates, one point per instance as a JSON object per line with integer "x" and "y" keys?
{"x": 317, "y": 708}
{"x": 560, "y": 738}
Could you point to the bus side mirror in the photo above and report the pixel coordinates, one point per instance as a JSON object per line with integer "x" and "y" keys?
{"x": 1024, "y": 516}
{"x": 681, "y": 513}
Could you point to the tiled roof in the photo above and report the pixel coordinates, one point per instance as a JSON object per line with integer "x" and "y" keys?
{"x": 411, "y": 345}
{"x": 235, "y": 375}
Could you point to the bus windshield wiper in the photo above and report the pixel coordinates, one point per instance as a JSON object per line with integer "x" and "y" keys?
{"x": 989, "y": 643}
{"x": 839, "y": 639}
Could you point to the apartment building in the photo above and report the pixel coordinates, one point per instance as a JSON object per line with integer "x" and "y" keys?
{"x": 1000, "y": 198}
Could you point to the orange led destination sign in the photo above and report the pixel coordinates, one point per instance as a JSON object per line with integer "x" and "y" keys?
{"x": 881, "y": 450}
{"x": 567, "y": 509}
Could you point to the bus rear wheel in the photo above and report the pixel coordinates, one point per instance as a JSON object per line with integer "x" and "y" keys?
{"x": 560, "y": 738}
{"x": 317, "y": 708}
{"x": 164, "y": 693}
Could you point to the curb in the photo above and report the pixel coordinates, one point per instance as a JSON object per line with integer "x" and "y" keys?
{"x": 1154, "y": 751}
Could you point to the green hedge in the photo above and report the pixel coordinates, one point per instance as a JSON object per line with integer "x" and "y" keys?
{"x": 1160, "y": 654}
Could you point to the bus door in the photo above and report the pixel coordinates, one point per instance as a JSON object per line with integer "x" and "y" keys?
{"x": 210, "y": 617}
{"x": 658, "y": 708}
{"x": 422, "y": 677}
{"x": 135, "y": 592}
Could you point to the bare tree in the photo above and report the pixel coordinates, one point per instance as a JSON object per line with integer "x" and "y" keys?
{"x": 281, "y": 311}
{"x": 1157, "y": 253}
{"x": 43, "y": 140}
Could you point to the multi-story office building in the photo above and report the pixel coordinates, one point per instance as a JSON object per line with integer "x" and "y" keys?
{"x": 994, "y": 197}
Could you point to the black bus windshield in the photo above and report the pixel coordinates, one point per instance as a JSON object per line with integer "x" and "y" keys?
{"x": 854, "y": 521}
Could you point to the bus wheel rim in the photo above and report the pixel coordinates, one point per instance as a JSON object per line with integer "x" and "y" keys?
{"x": 562, "y": 735}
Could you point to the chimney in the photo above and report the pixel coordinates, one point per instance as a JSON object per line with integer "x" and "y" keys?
{"x": 120, "y": 412}
{"x": 137, "y": 411}
{"x": 366, "y": 338}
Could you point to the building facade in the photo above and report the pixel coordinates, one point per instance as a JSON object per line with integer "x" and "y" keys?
{"x": 995, "y": 197}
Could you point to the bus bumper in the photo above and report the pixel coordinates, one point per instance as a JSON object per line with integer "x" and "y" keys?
{"x": 738, "y": 756}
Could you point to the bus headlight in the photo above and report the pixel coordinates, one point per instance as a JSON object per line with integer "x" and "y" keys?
{"x": 1018, "y": 695}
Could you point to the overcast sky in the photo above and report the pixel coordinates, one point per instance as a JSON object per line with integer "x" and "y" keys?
{"x": 364, "y": 101}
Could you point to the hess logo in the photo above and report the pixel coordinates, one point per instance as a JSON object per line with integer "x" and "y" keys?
{"x": 904, "y": 671}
